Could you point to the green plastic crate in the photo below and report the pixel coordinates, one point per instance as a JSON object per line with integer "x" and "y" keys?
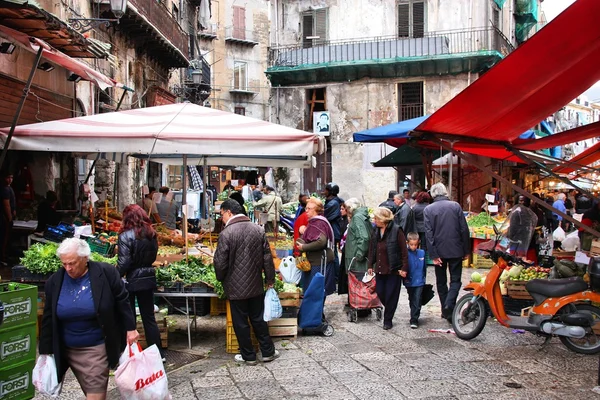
{"x": 100, "y": 247}
{"x": 18, "y": 344}
{"x": 20, "y": 305}
{"x": 16, "y": 382}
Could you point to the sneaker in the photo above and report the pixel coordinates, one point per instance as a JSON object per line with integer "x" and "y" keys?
{"x": 413, "y": 325}
{"x": 270, "y": 358}
{"x": 164, "y": 360}
{"x": 386, "y": 327}
{"x": 239, "y": 359}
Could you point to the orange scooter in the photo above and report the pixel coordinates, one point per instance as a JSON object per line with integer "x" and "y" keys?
{"x": 562, "y": 307}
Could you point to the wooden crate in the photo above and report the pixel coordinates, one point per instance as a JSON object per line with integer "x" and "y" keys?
{"x": 283, "y": 327}
{"x": 516, "y": 290}
{"x": 218, "y": 306}
{"x": 162, "y": 328}
{"x": 289, "y": 299}
{"x": 480, "y": 261}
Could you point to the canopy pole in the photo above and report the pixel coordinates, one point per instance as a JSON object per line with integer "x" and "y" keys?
{"x": 450, "y": 162}
{"x": 13, "y": 125}
{"x": 472, "y": 160}
{"x": 184, "y": 205}
{"x": 205, "y": 173}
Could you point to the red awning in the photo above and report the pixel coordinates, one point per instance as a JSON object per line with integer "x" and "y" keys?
{"x": 586, "y": 158}
{"x": 34, "y": 44}
{"x": 573, "y": 135}
{"x": 552, "y": 68}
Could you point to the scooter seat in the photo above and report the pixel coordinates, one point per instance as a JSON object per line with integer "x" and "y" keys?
{"x": 556, "y": 287}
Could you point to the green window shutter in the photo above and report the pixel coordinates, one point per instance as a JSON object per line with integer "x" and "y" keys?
{"x": 404, "y": 20}
{"x": 418, "y": 19}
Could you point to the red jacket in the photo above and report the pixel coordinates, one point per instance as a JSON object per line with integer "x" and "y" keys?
{"x": 300, "y": 221}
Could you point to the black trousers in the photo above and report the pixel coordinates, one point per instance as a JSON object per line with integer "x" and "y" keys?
{"x": 388, "y": 290}
{"x": 414, "y": 300}
{"x": 448, "y": 294}
{"x": 145, "y": 299}
{"x": 251, "y": 309}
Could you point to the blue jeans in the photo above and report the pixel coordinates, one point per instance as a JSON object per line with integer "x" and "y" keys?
{"x": 414, "y": 300}
{"x": 448, "y": 294}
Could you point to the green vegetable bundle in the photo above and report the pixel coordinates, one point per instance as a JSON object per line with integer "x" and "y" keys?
{"x": 41, "y": 258}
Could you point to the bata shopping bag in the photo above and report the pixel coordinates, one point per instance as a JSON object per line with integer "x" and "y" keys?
{"x": 141, "y": 374}
{"x": 44, "y": 377}
{"x": 288, "y": 270}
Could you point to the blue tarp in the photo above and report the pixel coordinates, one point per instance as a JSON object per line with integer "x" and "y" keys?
{"x": 400, "y": 130}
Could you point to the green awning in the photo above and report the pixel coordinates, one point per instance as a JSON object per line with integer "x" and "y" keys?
{"x": 406, "y": 156}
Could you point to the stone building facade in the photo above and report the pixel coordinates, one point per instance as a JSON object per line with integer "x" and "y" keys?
{"x": 373, "y": 64}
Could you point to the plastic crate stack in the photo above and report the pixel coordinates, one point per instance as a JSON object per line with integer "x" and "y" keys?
{"x": 18, "y": 340}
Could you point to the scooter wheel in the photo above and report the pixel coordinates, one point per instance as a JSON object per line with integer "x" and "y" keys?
{"x": 468, "y": 319}
{"x": 590, "y": 343}
{"x": 328, "y": 330}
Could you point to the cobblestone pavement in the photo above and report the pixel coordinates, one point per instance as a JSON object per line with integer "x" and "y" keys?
{"x": 362, "y": 361}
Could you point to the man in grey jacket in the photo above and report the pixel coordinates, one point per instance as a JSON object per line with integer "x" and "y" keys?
{"x": 241, "y": 256}
{"x": 448, "y": 242}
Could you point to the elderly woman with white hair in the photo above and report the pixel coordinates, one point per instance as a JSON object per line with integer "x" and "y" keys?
{"x": 87, "y": 319}
{"x": 448, "y": 242}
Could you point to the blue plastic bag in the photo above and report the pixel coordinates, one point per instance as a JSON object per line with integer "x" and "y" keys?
{"x": 273, "y": 309}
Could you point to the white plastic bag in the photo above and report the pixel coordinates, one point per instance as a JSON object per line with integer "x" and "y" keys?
{"x": 45, "y": 377}
{"x": 141, "y": 375}
{"x": 288, "y": 270}
{"x": 558, "y": 235}
{"x": 273, "y": 309}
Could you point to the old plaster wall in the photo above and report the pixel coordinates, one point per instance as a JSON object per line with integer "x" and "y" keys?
{"x": 356, "y": 106}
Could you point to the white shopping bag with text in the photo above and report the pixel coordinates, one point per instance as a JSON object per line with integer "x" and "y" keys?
{"x": 142, "y": 376}
{"x": 273, "y": 309}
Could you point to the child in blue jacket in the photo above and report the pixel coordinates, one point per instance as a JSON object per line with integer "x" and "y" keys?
{"x": 415, "y": 280}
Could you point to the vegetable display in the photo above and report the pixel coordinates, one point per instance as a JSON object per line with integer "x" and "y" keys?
{"x": 42, "y": 259}
{"x": 527, "y": 274}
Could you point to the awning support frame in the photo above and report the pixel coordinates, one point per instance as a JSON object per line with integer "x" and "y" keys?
{"x": 470, "y": 159}
{"x": 26, "y": 89}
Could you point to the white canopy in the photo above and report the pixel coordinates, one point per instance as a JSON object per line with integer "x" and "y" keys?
{"x": 168, "y": 132}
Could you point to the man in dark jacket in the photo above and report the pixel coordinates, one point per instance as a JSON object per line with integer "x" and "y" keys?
{"x": 448, "y": 242}
{"x": 241, "y": 256}
{"x": 389, "y": 203}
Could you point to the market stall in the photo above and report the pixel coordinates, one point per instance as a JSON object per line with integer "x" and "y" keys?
{"x": 173, "y": 134}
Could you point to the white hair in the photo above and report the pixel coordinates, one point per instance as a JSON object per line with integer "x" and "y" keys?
{"x": 562, "y": 196}
{"x": 352, "y": 205}
{"x": 74, "y": 245}
{"x": 438, "y": 190}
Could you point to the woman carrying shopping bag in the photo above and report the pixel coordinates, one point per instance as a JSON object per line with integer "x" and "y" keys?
{"x": 87, "y": 321}
{"x": 317, "y": 242}
{"x": 138, "y": 247}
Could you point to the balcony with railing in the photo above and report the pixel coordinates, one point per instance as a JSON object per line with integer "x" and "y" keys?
{"x": 210, "y": 33}
{"x": 150, "y": 23}
{"x": 237, "y": 35}
{"x": 435, "y": 53}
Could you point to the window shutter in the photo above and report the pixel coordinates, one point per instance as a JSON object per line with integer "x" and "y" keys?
{"x": 307, "y": 30}
{"x": 239, "y": 22}
{"x": 404, "y": 20}
{"x": 418, "y": 14}
{"x": 320, "y": 26}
